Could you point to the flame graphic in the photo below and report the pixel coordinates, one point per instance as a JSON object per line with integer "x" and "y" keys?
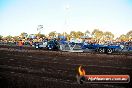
{"x": 81, "y": 71}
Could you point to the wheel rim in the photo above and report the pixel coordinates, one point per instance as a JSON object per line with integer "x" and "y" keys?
{"x": 101, "y": 50}
{"x": 109, "y": 51}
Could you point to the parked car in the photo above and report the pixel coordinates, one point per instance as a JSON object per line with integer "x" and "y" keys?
{"x": 40, "y": 45}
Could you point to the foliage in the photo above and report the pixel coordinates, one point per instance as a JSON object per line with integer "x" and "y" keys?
{"x": 16, "y": 38}
{"x": 129, "y": 34}
{"x": 53, "y": 33}
{"x": 23, "y": 35}
{"x": 108, "y": 36}
{"x": 123, "y": 37}
{"x": 9, "y": 38}
{"x": 40, "y": 35}
{"x": 1, "y": 37}
{"x": 97, "y": 34}
{"x": 77, "y": 34}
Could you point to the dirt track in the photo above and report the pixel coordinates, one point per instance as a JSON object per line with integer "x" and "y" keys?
{"x": 51, "y": 69}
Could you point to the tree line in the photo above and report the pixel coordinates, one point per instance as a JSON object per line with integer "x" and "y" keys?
{"x": 96, "y": 35}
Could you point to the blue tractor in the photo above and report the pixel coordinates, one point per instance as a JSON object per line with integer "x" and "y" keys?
{"x": 53, "y": 45}
{"x": 47, "y": 44}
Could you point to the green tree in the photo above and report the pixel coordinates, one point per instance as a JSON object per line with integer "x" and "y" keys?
{"x": 97, "y": 34}
{"x": 73, "y": 34}
{"x": 94, "y": 31}
{"x": 40, "y": 35}
{"x": 123, "y": 37}
{"x": 108, "y": 36}
{"x": 1, "y": 37}
{"x": 129, "y": 34}
{"x": 9, "y": 37}
{"x": 79, "y": 34}
{"x": 23, "y": 35}
{"x": 53, "y": 33}
{"x": 16, "y": 38}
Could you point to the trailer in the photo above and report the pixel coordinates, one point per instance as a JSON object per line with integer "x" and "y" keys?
{"x": 71, "y": 47}
{"x": 66, "y": 46}
{"x": 107, "y": 48}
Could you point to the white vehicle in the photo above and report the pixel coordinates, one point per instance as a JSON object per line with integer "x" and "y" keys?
{"x": 44, "y": 44}
{"x": 70, "y": 48}
{"x": 40, "y": 45}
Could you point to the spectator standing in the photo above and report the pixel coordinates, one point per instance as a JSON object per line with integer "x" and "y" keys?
{"x": 31, "y": 43}
{"x": 20, "y": 44}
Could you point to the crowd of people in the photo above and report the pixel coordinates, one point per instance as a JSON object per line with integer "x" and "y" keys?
{"x": 31, "y": 41}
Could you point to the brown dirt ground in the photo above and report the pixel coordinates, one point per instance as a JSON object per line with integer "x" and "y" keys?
{"x": 31, "y": 68}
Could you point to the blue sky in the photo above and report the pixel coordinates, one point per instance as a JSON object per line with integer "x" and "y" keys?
{"x": 18, "y": 16}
